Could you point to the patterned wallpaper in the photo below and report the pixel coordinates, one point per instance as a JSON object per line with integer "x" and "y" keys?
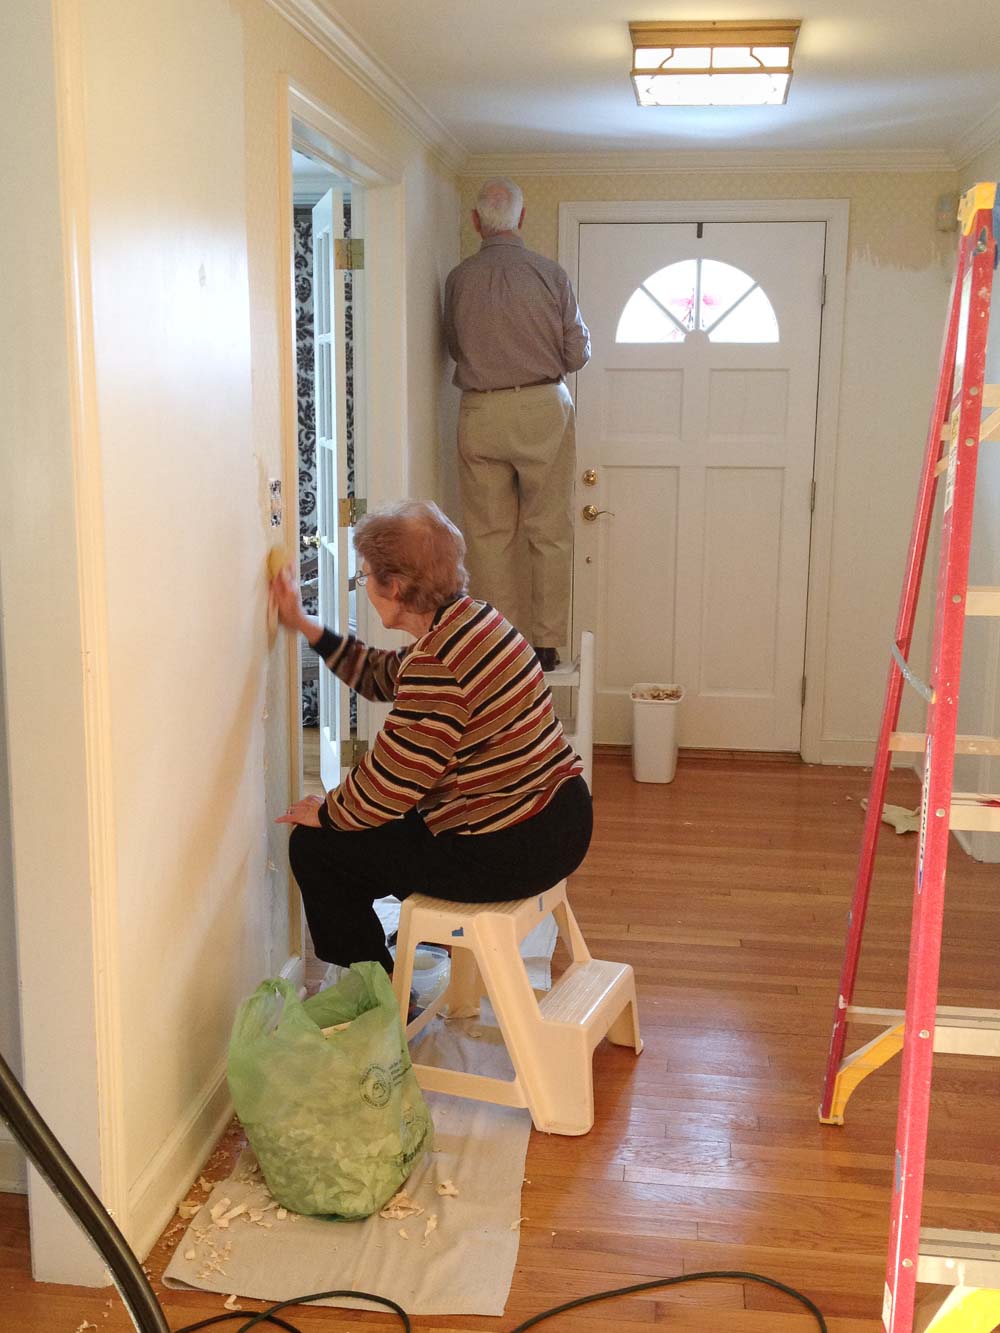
{"x": 892, "y": 215}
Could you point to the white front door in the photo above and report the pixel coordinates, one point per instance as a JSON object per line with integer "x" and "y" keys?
{"x": 696, "y": 433}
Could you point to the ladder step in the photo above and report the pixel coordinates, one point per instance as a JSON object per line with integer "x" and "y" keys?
{"x": 982, "y": 601}
{"x": 975, "y": 812}
{"x": 915, "y": 742}
{"x": 956, "y": 1031}
{"x": 579, "y": 993}
{"x": 959, "y": 1258}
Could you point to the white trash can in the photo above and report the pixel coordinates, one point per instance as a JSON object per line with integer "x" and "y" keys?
{"x": 654, "y": 731}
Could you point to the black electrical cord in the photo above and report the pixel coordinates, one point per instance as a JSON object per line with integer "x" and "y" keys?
{"x": 58, "y": 1168}
{"x": 673, "y": 1282}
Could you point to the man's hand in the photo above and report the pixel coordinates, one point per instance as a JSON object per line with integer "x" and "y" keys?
{"x": 305, "y": 812}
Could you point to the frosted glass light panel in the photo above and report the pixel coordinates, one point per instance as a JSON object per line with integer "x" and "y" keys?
{"x": 716, "y": 299}
{"x": 712, "y": 63}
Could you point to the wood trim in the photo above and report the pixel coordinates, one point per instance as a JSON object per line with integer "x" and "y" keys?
{"x": 345, "y": 148}
{"x": 96, "y": 698}
{"x": 348, "y": 52}
{"x": 657, "y": 162}
{"x": 815, "y": 747}
{"x": 980, "y": 137}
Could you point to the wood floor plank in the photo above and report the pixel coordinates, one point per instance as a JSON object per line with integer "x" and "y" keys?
{"x": 727, "y": 891}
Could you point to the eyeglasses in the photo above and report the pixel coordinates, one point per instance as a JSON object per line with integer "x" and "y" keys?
{"x": 361, "y": 578}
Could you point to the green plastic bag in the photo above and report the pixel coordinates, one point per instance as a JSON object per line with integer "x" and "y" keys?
{"x": 337, "y": 1121}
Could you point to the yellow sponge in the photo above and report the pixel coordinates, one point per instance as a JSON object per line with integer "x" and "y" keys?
{"x": 277, "y": 558}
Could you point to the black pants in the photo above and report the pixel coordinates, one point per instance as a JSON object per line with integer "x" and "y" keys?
{"x": 341, "y": 874}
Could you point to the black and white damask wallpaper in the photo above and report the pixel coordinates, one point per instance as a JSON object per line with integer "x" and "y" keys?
{"x": 306, "y": 375}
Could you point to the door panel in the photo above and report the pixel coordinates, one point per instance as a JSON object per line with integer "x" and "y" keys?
{"x": 700, "y": 425}
{"x": 331, "y": 469}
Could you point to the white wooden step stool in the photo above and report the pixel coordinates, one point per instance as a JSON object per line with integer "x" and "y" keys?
{"x": 550, "y": 1037}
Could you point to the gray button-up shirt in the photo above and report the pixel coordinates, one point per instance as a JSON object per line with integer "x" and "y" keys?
{"x": 511, "y": 318}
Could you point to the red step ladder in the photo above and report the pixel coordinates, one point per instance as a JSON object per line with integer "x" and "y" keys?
{"x": 969, "y": 1263}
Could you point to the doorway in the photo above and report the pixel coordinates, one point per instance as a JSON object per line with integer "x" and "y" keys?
{"x": 697, "y": 434}
{"x": 328, "y": 282}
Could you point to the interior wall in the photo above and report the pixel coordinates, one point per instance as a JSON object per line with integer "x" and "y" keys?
{"x": 899, "y": 269}
{"x": 979, "y": 705}
{"x": 179, "y": 163}
{"x": 50, "y": 993}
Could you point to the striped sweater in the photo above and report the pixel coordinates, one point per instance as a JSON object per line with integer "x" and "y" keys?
{"x": 472, "y": 740}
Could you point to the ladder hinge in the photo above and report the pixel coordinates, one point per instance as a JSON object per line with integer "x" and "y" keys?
{"x": 351, "y": 752}
{"x": 803, "y": 690}
{"x": 349, "y": 253}
{"x": 822, "y": 289}
{"x": 350, "y": 509}
{"x": 812, "y": 496}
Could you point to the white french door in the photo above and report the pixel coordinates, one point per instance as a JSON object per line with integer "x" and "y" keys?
{"x": 695, "y": 442}
{"x": 336, "y": 398}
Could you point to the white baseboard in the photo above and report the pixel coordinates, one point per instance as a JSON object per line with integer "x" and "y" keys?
{"x": 854, "y": 754}
{"x": 13, "y": 1166}
{"x": 154, "y": 1195}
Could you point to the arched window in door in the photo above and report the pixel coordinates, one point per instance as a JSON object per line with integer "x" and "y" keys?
{"x": 713, "y": 298}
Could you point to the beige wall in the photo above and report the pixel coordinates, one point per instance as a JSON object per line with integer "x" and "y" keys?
{"x": 176, "y": 168}
{"x": 897, "y": 287}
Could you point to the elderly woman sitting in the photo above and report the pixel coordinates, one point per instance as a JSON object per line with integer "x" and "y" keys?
{"x": 470, "y": 791}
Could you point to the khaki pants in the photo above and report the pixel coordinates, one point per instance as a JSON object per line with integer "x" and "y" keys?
{"x": 516, "y": 459}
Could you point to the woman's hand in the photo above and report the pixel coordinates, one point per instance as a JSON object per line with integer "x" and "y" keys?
{"x": 287, "y": 600}
{"x": 304, "y": 812}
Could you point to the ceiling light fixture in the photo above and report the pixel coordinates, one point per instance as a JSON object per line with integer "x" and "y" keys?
{"x": 731, "y": 63}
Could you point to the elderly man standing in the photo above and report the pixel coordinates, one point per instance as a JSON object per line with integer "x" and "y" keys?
{"x": 514, "y": 330}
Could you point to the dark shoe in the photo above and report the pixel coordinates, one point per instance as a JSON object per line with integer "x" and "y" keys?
{"x": 548, "y": 658}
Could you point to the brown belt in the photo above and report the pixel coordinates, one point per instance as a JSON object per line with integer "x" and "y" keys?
{"x": 516, "y": 388}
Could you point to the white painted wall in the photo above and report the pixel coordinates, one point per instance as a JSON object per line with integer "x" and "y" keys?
{"x": 148, "y": 731}
{"x": 979, "y": 707}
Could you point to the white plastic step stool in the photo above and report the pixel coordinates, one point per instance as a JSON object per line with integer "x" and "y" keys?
{"x": 550, "y": 1038}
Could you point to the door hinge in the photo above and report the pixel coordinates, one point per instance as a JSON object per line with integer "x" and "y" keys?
{"x": 812, "y": 496}
{"x": 349, "y": 510}
{"x": 822, "y": 289}
{"x": 351, "y": 752}
{"x": 803, "y": 691}
{"x": 349, "y": 254}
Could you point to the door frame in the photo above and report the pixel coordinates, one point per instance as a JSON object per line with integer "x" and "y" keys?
{"x": 835, "y": 213}
{"x": 309, "y": 125}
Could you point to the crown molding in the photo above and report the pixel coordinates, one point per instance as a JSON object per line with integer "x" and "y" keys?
{"x": 984, "y": 134}
{"x": 687, "y": 159}
{"x": 346, "y": 50}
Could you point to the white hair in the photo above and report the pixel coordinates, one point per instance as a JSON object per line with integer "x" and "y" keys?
{"x": 499, "y": 206}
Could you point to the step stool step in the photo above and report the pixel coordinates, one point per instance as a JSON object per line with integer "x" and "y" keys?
{"x": 579, "y": 994}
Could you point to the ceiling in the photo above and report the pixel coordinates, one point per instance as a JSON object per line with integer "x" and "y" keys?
{"x": 917, "y": 77}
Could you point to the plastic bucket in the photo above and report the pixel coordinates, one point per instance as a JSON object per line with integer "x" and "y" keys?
{"x": 654, "y": 731}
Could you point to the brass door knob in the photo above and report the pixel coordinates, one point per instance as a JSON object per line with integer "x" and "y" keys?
{"x": 591, "y": 513}
{"x": 313, "y": 541}
{"x": 590, "y": 477}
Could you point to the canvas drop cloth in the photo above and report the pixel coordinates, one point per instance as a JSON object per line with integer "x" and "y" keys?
{"x": 463, "y": 1264}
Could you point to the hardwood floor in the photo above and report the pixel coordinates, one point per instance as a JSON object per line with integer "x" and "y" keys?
{"x": 727, "y": 891}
